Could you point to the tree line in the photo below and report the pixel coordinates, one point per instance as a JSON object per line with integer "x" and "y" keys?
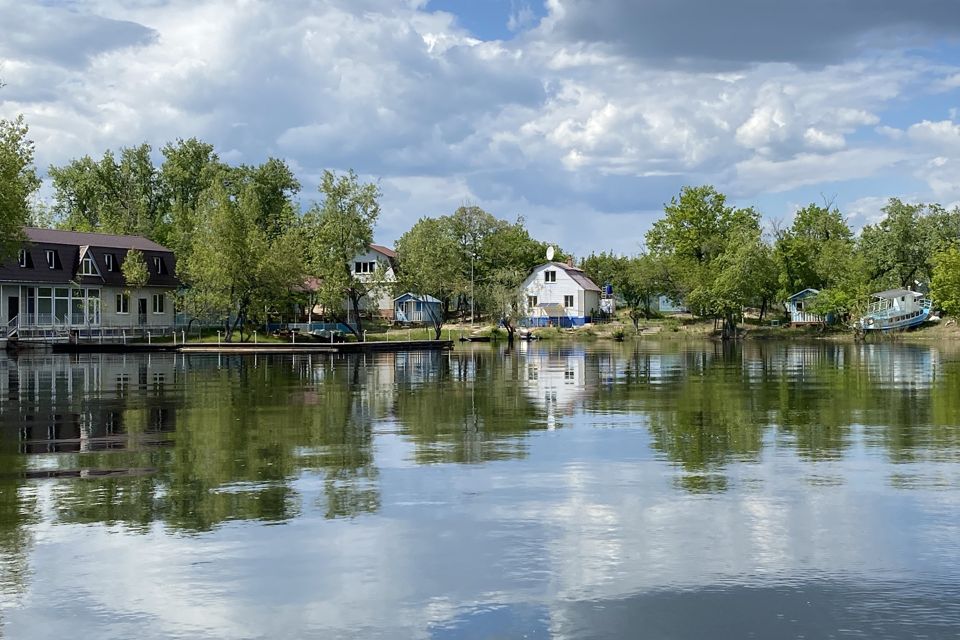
{"x": 245, "y": 246}
{"x": 719, "y": 259}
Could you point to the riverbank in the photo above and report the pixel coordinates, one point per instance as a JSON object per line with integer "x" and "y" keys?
{"x": 687, "y": 328}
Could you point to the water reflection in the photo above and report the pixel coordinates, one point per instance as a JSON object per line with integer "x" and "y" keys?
{"x": 482, "y": 492}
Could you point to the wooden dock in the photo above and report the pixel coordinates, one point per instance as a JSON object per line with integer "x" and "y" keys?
{"x": 251, "y": 348}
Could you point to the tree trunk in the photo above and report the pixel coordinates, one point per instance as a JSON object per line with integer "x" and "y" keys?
{"x": 729, "y": 327}
{"x": 763, "y": 310}
{"x": 355, "y": 303}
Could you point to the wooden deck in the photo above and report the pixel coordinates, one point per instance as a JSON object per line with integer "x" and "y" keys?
{"x": 251, "y": 348}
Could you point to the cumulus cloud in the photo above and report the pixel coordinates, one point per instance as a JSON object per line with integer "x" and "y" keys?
{"x": 563, "y": 123}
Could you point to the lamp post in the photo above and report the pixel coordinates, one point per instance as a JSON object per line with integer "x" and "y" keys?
{"x": 472, "y": 316}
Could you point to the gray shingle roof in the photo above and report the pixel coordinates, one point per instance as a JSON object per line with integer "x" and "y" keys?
{"x": 81, "y": 238}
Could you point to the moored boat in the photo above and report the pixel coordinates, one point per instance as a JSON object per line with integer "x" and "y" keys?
{"x": 897, "y": 309}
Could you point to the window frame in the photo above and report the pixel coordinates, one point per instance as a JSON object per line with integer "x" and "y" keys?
{"x": 108, "y": 260}
{"x": 532, "y": 302}
{"x": 550, "y": 276}
{"x": 158, "y": 309}
{"x": 88, "y": 260}
{"x": 123, "y": 304}
{"x": 51, "y": 256}
{"x": 573, "y": 302}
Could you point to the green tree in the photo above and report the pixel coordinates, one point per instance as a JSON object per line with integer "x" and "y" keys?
{"x": 814, "y": 251}
{"x": 18, "y": 182}
{"x": 235, "y": 268}
{"x": 898, "y": 251}
{"x": 340, "y": 228}
{"x": 945, "y": 288}
{"x": 697, "y": 229}
{"x": 111, "y": 196}
{"x": 134, "y": 270}
{"x": 189, "y": 168}
{"x": 429, "y": 263}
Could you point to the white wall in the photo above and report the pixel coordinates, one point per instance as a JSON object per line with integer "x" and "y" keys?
{"x": 383, "y": 301}
{"x": 584, "y": 302}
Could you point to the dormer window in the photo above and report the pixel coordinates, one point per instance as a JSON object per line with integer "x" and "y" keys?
{"x": 158, "y": 265}
{"x": 22, "y": 258}
{"x": 51, "y": 258}
{"x": 87, "y": 268}
{"x": 549, "y": 276}
{"x": 108, "y": 259}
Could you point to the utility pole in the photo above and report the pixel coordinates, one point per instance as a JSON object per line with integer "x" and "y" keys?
{"x": 472, "y": 316}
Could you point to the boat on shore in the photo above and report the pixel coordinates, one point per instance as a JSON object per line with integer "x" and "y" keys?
{"x": 897, "y": 309}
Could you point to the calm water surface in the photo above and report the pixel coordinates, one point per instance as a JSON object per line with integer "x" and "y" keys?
{"x": 676, "y": 491}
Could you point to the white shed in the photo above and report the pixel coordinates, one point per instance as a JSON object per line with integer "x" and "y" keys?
{"x": 560, "y": 294}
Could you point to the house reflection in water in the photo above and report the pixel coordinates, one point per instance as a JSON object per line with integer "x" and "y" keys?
{"x": 76, "y": 405}
{"x": 556, "y": 381}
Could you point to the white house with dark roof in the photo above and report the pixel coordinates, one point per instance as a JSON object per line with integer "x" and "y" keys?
{"x": 560, "y": 294}
{"x": 73, "y": 280}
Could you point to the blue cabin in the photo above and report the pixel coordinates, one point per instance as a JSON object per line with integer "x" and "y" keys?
{"x": 797, "y": 308}
{"x": 411, "y": 308}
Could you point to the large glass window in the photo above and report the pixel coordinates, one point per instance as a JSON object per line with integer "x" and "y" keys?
{"x": 61, "y": 304}
{"x": 123, "y": 303}
{"x": 78, "y": 308}
{"x": 158, "y": 302}
{"x": 44, "y": 305}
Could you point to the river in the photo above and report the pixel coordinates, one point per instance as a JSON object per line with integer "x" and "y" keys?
{"x": 669, "y": 490}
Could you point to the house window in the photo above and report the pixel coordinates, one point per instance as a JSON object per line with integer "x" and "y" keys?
{"x": 568, "y": 301}
{"x": 158, "y": 302}
{"x": 86, "y": 267}
{"x": 549, "y": 276}
{"x": 365, "y": 267}
{"x": 799, "y": 305}
{"x": 158, "y": 266}
{"x": 51, "y": 258}
{"x": 123, "y": 303}
{"x": 358, "y": 267}
{"x": 531, "y": 301}
{"x": 108, "y": 258}
{"x": 23, "y": 258}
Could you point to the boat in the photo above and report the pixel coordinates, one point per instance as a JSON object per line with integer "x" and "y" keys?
{"x": 897, "y": 309}
{"x": 474, "y": 338}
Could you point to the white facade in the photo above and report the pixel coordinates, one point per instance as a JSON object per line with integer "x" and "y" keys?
{"x": 377, "y": 262}
{"x": 560, "y": 294}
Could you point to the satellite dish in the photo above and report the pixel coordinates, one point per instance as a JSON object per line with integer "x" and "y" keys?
{"x": 550, "y": 253}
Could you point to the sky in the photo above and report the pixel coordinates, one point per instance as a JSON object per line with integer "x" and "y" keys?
{"x": 582, "y": 116}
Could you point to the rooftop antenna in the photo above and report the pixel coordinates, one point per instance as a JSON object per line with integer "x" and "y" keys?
{"x": 550, "y": 253}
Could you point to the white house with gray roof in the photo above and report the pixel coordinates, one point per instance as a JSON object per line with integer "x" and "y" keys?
{"x": 559, "y": 294}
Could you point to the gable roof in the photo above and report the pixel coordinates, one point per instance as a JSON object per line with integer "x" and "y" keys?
{"x": 387, "y": 251}
{"x": 417, "y": 297}
{"x": 82, "y": 238}
{"x": 577, "y": 275}
{"x": 806, "y": 293}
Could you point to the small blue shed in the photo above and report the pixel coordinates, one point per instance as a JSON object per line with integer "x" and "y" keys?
{"x": 797, "y": 308}
{"x": 411, "y": 308}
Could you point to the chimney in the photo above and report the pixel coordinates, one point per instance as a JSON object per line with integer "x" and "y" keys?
{"x": 570, "y": 262}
